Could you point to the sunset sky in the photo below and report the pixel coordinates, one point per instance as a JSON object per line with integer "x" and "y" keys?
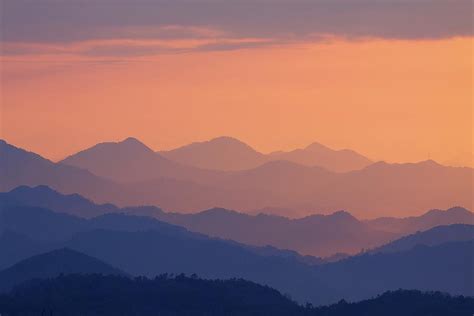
{"x": 367, "y": 75}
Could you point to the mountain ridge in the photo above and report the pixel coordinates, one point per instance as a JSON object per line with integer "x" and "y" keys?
{"x": 408, "y": 188}
{"x": 230, "y": 154}
{"x": 316, "y": 234}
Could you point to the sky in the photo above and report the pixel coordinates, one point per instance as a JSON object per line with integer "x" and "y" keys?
{"x": 389, "y": 79}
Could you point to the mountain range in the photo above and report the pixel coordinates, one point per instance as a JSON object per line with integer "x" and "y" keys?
{"x": 145, "y": 246}
{"x": 431, "y": 237}
{"x": 140, "y": 245}
{"x": 168, "y": 295}
{"x": 411, "y": 224}
{"x": 230, "y": 154}
{"x": 129, "y": 173}
{"x": 316, "y": 235}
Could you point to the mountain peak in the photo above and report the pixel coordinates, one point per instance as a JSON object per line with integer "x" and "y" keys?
{"x": 429, "y": 163}
{"x": 317, "y": 146}
{"x": 131, "y": 140}
{"x": 458, "y": 210}
{"x": 130, "y": 146}
{"x": 133, "y": 143}
{"x": 230, "y": 143}
{"x": 342, "y": 214}
{"x": 226, "y": 139}
{"x": 221, "y": 153}
{"x": 43, "y": 189}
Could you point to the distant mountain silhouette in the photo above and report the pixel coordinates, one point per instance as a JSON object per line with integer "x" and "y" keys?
{"x": 230, "y": 154}
{"x": 319, "y": 155}
{"x": 41, "y": 224}
{"x": 52, "y": 264}
{"x": 318, "y": 235}
{"x": 20, "y": 167}
{"x": 130, "y": 160}
{"x": 146, "y": 246}
{"x": 399, "y": 188}
{"x": 44, "y": 196}
{"x": 222, "y": 153}
{"x": 454, "y": 215}
{"x": 434, "y": 236}
{"x": 447, "y": 267}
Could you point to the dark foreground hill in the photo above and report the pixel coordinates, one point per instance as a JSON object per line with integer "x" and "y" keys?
{"x": 403, "y": 302}
{"x": 180, "y": 295}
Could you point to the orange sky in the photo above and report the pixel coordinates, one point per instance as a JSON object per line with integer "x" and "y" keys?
{"x": 394, "y": 100}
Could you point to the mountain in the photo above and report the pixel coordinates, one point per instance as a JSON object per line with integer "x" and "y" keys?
{"x": 378, "y": 190}
{"x": 434, "y": 236}
{"x": 16, "y": 247}
{"x": 20, "y": 167}
{"x": 230, "y": 154}
{"x": 132, "y": 161}
{"x": 165, "y": 295}
{"x": 183, "y": 295}
{"x": 150, "y": 253}
{"x": 52, "y": 264}
{"x": 319, "y": 155}
{"x": 402, "y": 189}
{"x": 41, "y": 224}
{"x": 146, "y": 246}
{"x": 316, "y": 235}
{"x": 407, "y": 225}
{"x": 44, "y": 196}
{"x": 404, "y": 302}
{"x": 446, "y": 267}
{"x": 222, "y": 153}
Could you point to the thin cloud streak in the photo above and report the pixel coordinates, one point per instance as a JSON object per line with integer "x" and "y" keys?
{"x": 131, "y": 47}
{"x": 74, "y": 20}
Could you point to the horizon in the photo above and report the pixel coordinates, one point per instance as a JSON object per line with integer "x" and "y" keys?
{"x": 158, "y": 150}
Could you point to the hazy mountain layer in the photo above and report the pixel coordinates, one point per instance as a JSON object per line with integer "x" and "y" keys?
{"x": 318, "y": 235}
{"x": 145, "y": 246}
{"x": 378, "y": 190}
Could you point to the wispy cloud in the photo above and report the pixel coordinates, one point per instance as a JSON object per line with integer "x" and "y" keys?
{"x": 131, "y": 47}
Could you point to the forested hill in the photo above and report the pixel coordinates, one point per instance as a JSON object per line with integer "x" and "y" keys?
{"x": 190, "y": 296}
